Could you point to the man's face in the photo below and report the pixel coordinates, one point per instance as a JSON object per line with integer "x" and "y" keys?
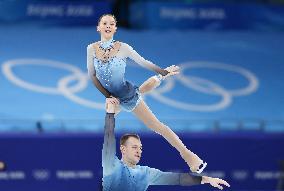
{"x": 131, "y": 151}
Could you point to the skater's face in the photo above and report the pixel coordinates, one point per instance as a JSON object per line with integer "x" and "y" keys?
{"x": 131, "y": 151}
{"x": 107, "y": 27}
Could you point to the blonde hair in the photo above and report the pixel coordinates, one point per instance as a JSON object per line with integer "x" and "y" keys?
{"x": 125, "y": 137}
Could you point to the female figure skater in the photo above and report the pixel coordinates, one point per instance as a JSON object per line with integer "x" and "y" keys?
{"x": 106, "y": 62}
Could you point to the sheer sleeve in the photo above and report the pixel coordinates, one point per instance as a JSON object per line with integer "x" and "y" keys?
{"x": 92, "y": 71}
{"x": 133, "y": 55}
{"x": 157, "y": 177}
{"x": 187, "y": 179}
{"x": 109, "y": 149}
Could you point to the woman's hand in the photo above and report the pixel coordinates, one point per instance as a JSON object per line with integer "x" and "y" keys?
{"x": 215, "y": 182}
{"x": 173, "y": 70}
{"x": 112, "y": 100}
{"x": 111, "y": 104}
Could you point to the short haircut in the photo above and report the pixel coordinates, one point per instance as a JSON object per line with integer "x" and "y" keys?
{"x": 125, "y": 137}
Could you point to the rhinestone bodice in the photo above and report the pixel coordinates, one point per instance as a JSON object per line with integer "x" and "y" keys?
{"x": 107, "y": 61}
{"x": 110, "y": 73}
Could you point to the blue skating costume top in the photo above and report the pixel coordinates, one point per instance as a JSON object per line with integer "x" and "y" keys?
{"x": 106, "y": 62}
{"x": 117, "y": 176}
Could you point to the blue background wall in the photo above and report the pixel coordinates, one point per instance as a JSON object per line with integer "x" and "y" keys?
{"x": 72, "y": 162}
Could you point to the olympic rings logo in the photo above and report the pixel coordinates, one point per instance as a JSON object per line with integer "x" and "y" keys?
{"x": 206, "y": 86}
{"x": 199, "y": 84}
{"x": 41, "y": 174}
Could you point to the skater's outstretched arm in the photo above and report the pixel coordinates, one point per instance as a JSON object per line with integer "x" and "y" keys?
{"x": 92, "y": 71}
{"x": 158, "y": 177}
{"x": 109, "y": 148}
{"x": 129, "y": 52}
{"x": 215, "y": 182}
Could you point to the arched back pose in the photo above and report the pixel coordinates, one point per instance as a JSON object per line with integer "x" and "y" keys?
{"x": 106, "y": 62}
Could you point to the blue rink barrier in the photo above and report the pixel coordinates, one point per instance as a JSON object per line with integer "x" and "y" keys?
{"x": 72, "y": 162}
{"x": 182, "y": 15}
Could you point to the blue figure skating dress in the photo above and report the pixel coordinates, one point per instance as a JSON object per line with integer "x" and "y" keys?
{"x": 106, "y": 62}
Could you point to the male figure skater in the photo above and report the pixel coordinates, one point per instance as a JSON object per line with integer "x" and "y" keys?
{"x": 126, "y": 175}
